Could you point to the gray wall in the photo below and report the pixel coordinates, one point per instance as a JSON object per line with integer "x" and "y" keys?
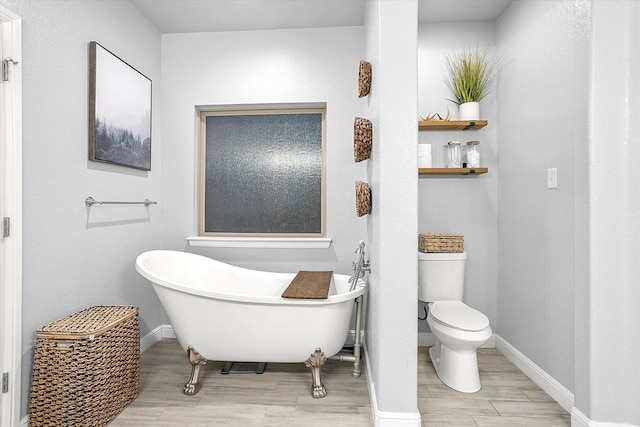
{"x": 74, "y": 257}
{"x": 263, "y": 67}
{"x": 541, "y": 113}
{"x": 607, "y": 346}
{"x": 391, "y": 43}
{"x": 460, "y": 204}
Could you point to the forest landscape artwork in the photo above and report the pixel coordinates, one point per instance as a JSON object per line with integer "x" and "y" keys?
{"x": 119, "y": 111}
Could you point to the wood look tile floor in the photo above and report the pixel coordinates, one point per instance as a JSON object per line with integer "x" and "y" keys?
{"x": 281, "y": 396}
{"x": 507, "y": 397}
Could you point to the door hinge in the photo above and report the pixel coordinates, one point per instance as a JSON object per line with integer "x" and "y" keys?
{"x": 5, "y": 68}
{"x": 5, "y": 382}
{"x": 6, "y": 227}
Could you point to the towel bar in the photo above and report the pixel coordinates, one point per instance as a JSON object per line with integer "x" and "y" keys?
{"x": 90, "y": 201}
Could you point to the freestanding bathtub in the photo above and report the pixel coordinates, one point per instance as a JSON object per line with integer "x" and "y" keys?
{"x": 227, "y": 313}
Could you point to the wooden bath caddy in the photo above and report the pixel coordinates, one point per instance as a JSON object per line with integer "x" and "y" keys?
{"x": 309, "y": 285}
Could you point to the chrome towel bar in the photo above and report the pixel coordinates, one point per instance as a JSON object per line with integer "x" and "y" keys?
{"x": 90, "y": 201}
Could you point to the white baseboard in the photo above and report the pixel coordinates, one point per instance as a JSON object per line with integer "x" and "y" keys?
{"x": 406, "y": 419}
{"x": 166, "y": 331}
{"x": 161, "y": 332}
{"x": 552, "y": 387}
{"x": 386, "y": 418}
{"x": 426, "y": 339}
{"x": 578, "y": 419}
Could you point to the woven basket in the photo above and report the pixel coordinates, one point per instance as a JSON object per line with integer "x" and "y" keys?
{"x": 362, "y": 139}
{"x": 363, "y": 198}
{"x": 441, "y": 243}
{"x": 364, "y": 78}
{"x": 86, "y": 367}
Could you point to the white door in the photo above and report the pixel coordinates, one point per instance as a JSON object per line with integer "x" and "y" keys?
{"x": 2, "y": 267}
{"x": 10, "y": 218}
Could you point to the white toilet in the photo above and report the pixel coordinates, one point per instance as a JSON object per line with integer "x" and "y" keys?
{"x": 458, "y": 328}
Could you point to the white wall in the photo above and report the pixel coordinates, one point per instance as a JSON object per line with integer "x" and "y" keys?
{"x": 75, "y": 258}
{"x": 542, "y": 111}
{"x": 254, "y": 67}
{"x": 466, "y": 204}
{"x": 391, "y": 46}
{"x": 607, "y": 381}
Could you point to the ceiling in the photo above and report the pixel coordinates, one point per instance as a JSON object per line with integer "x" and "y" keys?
{"x": 187, "y": 16}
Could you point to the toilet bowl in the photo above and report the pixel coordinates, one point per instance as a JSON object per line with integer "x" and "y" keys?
{"x": 459, "y": 331}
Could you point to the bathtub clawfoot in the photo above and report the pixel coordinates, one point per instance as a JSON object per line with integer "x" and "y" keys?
{"x": 192, "y": 386}
{"x": 315, "y": 362}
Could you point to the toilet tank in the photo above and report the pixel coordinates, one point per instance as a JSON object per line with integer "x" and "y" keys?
{"x": 441, "y": 276}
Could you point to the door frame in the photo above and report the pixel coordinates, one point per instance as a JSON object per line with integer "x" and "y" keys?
{"x": 11, "y": 247}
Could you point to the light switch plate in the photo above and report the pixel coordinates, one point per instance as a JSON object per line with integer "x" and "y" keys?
{"x": 552, "y": 178}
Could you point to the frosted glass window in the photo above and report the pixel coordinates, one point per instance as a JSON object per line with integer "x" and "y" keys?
{"x": 262, "y": 173}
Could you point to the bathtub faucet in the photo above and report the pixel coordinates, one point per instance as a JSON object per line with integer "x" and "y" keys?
{"x": 360, "y": 267}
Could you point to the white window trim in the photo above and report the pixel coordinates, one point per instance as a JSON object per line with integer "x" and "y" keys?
{"x": 260, "y": 242}
{"x": 313, "y": 242}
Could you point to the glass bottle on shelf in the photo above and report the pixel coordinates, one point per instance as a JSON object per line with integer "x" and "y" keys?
{"x": 473, "y": 154}
{"x": 453, "y": 154}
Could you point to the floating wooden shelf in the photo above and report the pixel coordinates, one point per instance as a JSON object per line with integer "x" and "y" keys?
{"x": 452, "y": 171}
{"x": 451, "y": 124}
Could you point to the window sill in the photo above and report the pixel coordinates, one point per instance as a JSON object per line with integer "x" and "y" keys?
{"x": 260, "y": 242}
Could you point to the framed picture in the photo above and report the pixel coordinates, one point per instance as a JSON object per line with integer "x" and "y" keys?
{"x": 119, "y": 111}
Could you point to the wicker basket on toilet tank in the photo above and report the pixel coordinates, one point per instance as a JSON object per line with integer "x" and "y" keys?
{"x": 441, "y": 243}
{"x": 86, "y": 367}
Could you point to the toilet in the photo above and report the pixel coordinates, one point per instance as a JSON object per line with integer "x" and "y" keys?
{"x": 459, "y": 329}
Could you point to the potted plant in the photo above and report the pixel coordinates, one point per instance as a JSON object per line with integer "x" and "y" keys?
{"x": 470, "y": 73}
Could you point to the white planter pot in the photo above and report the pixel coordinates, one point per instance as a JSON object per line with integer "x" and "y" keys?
{"x": 470, "y": 111}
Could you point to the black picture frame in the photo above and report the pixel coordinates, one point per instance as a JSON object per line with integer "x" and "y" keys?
{"x": 119, "y": 111}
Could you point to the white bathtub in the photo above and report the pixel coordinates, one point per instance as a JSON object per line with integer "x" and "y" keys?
{"x": 229, "y": 313}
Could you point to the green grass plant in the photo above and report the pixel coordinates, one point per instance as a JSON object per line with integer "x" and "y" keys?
{"x": 470, "y": 73}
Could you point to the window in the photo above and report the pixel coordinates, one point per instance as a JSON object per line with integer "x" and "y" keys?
{"x": 262, "y": 172}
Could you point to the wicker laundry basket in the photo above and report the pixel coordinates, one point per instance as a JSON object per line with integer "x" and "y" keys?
{"x": 441, "y": 243}
{"x": 86, "y": 367}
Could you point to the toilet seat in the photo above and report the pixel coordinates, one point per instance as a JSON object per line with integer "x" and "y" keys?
{"x": 457, "y": 315}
